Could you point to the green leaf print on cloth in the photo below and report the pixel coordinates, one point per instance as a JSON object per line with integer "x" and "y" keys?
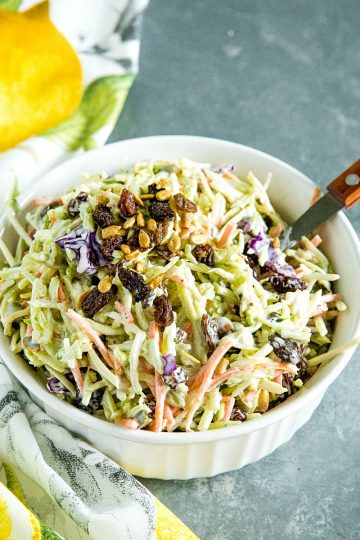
{"x": 101, "y": 104}
{"x": 10, "y": 5}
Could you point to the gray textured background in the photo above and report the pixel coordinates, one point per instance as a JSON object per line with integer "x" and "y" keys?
{"x": 282, "y": 76}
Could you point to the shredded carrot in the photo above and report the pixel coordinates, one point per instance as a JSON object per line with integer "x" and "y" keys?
{"x": 168, "y": 416}
{"x": 78, "y": 377}
{"x": 248, "y": 398}
{"x": 42, "y": 201}
{"x": 37, "y": 273}
{"x": 176, "y": 279}
{"x": 228, "y": 234}
{"x": 188, "y": 328}
{"x": 237, "y": 372}
{"x": 31, "y": 231}
{"x": 232, "y": 176}
{"x": 175, "y": 410}
{"x": 316, "y": 196}
{"x": 319, "y": 311}
{"x": 144, "y": 366}
{"x": 299, "y": 271}
{"x": 29, "y": 330}
{"x": 129, "y": 423}
{"x": 229, "y": 403}
{"x": 61, "y": 294}
{"x": 278, "y": 379}
{"x": 125, "y": 312}
{"x": 94, "y": 337}
{"x": 316, "y": 241}
{"x": 158, "y": 389}
{"x": 325, "y": 300}
{"x": 154, "y": 331}
{"x": 330, "y": 298}
{"x": 185, "y": 233}
{"x": 206, "y": 373}
{"x": 160, "y": 403}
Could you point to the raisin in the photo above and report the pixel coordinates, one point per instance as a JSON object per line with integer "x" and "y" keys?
{"x": 133, "y": 241}
{"x": 161, "y": 231}
{"x": 135, "y": 283}
{"x": 288, "y": 383}
{"x": 224, "y": 326}
{"x": 204, "y": 254}
{"x": 160, "y": 210}
{"x": 287, "y": 350}
{"x": 127, "y": 204}
{"x": 178, "y": 376}
{"x": 183, "y": 204}
{"x": 253, "y": 262}
{"x": 210, "y": 329}
{"x": 103, "y": 216}
{"x": 113, "y": 268}
{"x": 284, "y": 284}
{"x": 237, "y": 415}
{"x": 94, "y": 403}
{"x": 302, "y": 367}
{"x": 153, "y": 189}
{"x": 110, "y": 244}
{"x": 95, "y": 300}
{"x": 245, "y": 226}
{"x": 165, "y": 253}
{"x": 151, "y": 403}
{"x": 163, "y": 313}
{"x": 73, "y": 208}
{"x": 181, "y": 335}
{"x": 149, "y": 300}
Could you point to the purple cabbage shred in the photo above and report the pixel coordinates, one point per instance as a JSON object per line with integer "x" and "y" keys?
{"x": 225, "y": 169}
{"x": 86, "y": 247}
{"x": 169, "y": 363}
{"x": 258, "y": 242}
{"x": 273, "y": 264}
{"x": 56, "y": 387}
{"x": 282, "y": 269}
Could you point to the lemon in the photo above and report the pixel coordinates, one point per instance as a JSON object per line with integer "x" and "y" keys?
{"x": 41, "y": 78}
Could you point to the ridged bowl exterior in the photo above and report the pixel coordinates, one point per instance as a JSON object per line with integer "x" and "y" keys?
{"x": 185, "y": 461}
{"x": 189, "y": 455}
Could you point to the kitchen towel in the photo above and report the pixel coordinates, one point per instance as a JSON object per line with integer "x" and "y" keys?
{"x": 58, "y": 486}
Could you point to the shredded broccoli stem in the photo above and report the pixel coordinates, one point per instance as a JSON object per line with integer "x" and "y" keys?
{"x": 122, "y": 359}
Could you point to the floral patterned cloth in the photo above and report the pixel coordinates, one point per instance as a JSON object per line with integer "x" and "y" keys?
{"x": 106, "y": 36}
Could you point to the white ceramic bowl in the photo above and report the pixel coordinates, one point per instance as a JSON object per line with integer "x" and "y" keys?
{"x": 189, "y": 455}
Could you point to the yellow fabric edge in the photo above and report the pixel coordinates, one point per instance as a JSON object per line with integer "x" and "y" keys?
{"x": 169, "y": 526}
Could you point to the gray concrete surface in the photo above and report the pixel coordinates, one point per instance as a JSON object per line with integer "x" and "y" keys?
{"x": 284, "y": 77}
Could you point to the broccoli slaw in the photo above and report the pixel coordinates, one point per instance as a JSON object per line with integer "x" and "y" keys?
{"x": 159, "y": 298}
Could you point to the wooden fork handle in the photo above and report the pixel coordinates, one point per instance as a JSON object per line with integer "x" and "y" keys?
{"x": 346, "y": 187}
